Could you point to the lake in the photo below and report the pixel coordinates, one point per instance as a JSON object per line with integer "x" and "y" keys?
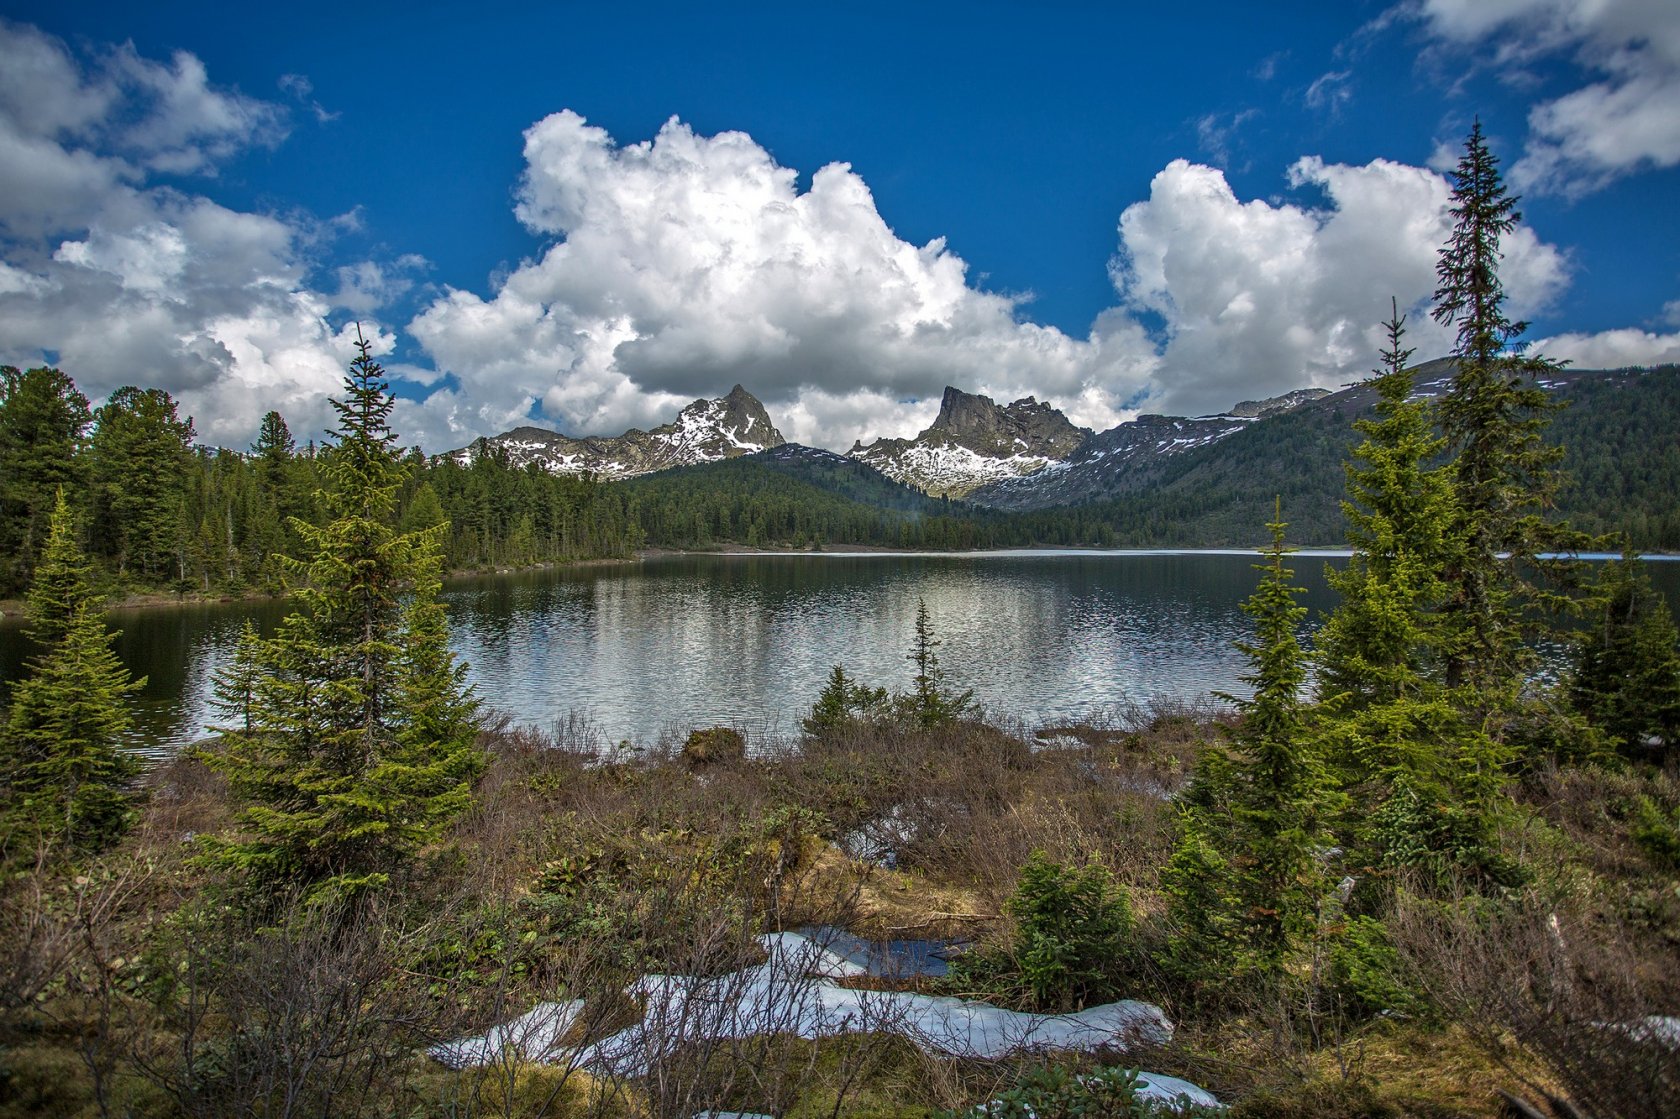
{"x": 656, "y": 647}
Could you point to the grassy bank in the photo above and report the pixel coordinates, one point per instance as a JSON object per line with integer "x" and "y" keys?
{"x": 138, "y": 983}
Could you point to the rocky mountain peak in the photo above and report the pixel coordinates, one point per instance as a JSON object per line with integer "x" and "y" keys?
{"x": 1277, "y": 405}
{"x": 973, "y": 441}
{"x": 741, "y": 416}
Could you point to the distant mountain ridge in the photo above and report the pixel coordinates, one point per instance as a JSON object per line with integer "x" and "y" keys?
{"x": 705, "y": 431}
{"x": 1017, "y": 456}
{"x": 1027, "y": 455}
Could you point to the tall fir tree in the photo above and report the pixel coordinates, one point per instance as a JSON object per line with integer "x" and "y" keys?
{"x": 353, "y": 744}
{"x": 930, "y": 703}
{"x": 142, "y": 455}
{"x": 1493, "y": 415}
{"x": 1383, "y": 638}
{"x": 68, "y": 773}
{"x": 1395, "y": 732}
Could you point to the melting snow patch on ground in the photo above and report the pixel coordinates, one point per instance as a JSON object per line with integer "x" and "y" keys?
{"x": 794, "y": 992}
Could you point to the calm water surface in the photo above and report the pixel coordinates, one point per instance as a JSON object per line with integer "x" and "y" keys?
{"x": 669, "y": 643}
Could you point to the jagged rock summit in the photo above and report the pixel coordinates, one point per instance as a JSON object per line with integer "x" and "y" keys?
{"x": 1131, "y": 456}
{"x": 705, "y": 431}
{"x": 1027, "y": 455}
{"x": 974, "y": 441}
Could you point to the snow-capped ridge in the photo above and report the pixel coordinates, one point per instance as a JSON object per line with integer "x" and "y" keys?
{"x": 707, "y": 430}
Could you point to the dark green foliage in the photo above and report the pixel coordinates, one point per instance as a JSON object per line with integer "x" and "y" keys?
{"x": 1656, "y": 831}
{"x": 842, "y": 702}
{"x": 1494, "y": 415}
{"x": 141, "y": 454}
{"x": 1247, "y": 878}
{"x": 43, "y": 424}
{"x": 351, "y": 737}
{"x": 1072, "y": 931}
{"x": 930, "y": 703}
{"x": 777, "y": 499}
{"x": 1058, "y": 1092}
{"x": 1398, "y": 738}
{"x": 68, "y": 775}
{"x": 62, "y": 580}
{"x": 1381, "y": 643}
{"x": 1627, "y": 665}
{"x": 1366, "y": 972}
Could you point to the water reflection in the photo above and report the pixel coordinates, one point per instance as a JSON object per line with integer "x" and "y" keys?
{"x": 675, "y": 642}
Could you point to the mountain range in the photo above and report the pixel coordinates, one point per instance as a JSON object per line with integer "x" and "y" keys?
{"x": 1021, "y": 473}
{"x": 1021, "y": 455}
{"x": 705, "y": 431}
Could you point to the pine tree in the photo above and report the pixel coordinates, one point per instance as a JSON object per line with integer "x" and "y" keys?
{"x": 355, "y": 746}
{"x": 1383, "y": 640}
{"x": 1626, "y": 678}
{"x": 842, "y": 702}
{"x": 1422, "y": 777}
{"x": 1493, "y": 415}
{"x": 142, "y": 455}
{"x": 62, "y": 580}
{"x": 68, "y": 772}
{"x": 929, "y": 703}
{"x": 1260, "y": 815}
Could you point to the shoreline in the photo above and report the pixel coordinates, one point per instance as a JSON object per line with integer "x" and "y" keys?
{"x": 12, "y": 608}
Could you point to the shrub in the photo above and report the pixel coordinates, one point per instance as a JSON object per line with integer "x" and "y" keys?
{"x": 714, "y": 745}
{"x": 1073, "y": 926}
{"x": 1056, "y": 1092}
{"x": 842, "y": 702}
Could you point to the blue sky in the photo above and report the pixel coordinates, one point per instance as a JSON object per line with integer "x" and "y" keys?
{"x": 589, "y": 216}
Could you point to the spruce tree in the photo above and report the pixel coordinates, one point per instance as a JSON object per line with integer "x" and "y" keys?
{"x": 842, "y": 701}
{"x": 43, "y": 426}
{"x": 62, "y": 580}
{"x": 142, "y": 456}
{"x": 1383, "y": 639}
{"x": 1493, "y": 415}
{"x": 1626, "y": 678}
{"x": 1422, "y": 776}
{"x": 929, "y": 703}
{"x": 1260, "y": 814}
{"x": 68, "y": 772}
{"x": 355, "y": 746}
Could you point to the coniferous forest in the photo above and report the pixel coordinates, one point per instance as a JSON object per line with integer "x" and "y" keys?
{"x": 1408, "y": 874}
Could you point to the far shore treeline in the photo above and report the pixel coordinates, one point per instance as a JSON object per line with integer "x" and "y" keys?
{"x": 162, "y": 512}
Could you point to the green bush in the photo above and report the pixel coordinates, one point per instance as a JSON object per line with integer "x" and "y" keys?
{"x": 1657, "y": 832}
{"x": 1073, "y": 931}
{"x": 1366, "y": 973}
{"x": 1057, "y": 1092}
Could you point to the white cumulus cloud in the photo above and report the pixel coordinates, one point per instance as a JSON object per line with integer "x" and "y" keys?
{"x": 687, "y": 263}
{"x": 1626, "y": 119}
{"x": 1612, "y": 349}
{"x": 121, "y": 280}
{"x": 1259, "y": 297}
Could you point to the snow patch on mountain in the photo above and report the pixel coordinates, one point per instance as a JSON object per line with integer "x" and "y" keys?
{"x": 705, "y": 431}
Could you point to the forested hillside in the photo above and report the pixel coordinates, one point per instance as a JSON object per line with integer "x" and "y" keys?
{"x": 161, "y": 512}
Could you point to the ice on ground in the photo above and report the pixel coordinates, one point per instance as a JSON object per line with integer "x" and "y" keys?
{"x": 793, "y": 992}
{"x": 534, "y": 1036}
{"x": 1172, "y": 1090}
